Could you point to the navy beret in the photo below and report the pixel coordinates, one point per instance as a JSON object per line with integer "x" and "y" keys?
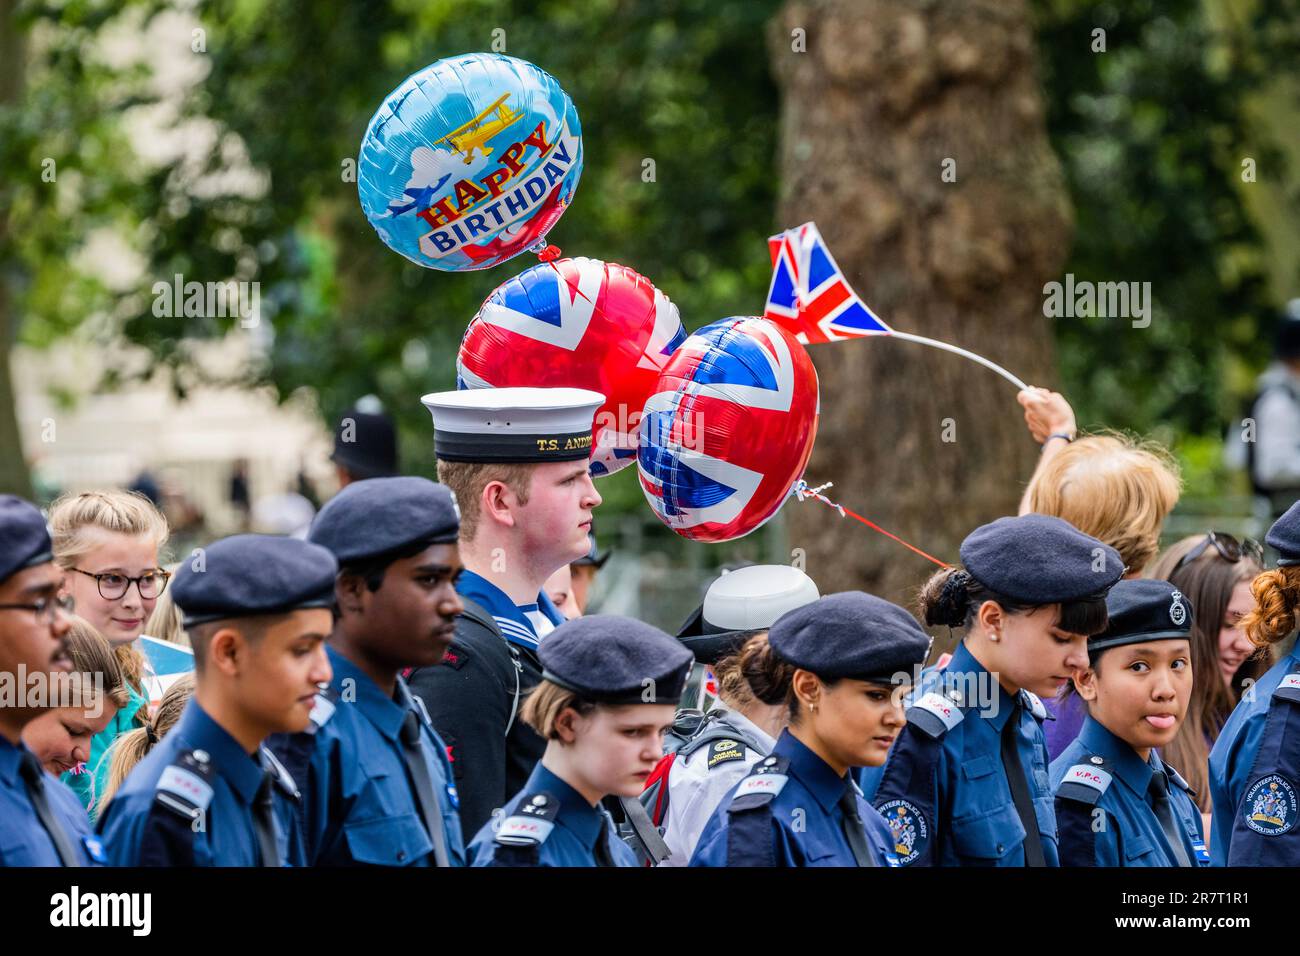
{"x": 742, "y": 602}
{"x": 249, "y": 574}
{"x": 1038, "y": 559}
{"x": 1143, "y": 610}
{"x": 615, "y": 660}
{"x": 1284, "y": 537}
{"x": 381, "y": 515}
{"x": 851, "y": 634}
{"x": 24, "y": 536}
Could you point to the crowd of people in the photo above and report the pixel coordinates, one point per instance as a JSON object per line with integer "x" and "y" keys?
{"x": 415, "y": 680}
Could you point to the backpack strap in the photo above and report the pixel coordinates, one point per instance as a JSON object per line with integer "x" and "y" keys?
{"x": 479, "y": 615}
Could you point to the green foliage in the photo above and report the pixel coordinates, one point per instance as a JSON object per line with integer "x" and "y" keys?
{"x": 1152, "y": 133}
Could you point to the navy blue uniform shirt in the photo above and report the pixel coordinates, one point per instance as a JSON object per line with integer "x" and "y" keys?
{"x": 790, "y": 812}
{"x": 1107, "y": 817}
{"x": 944, "y": 790}
{"x": 548, "y": 823}
{"x": 1255, "y": 774}
{"x": 358, "y": 804}
{"x": 24, "y": 841}
{"x": 190, "y": 802}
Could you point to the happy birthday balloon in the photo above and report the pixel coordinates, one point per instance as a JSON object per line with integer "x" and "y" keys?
{"x": 578, "y": 323}
{"x": 729, "y": 429}
{"x": 470, "y": 162}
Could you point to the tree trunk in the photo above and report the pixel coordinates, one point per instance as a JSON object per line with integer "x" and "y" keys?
{"x": 889, "y": 96}
{"x": 14, "y": 477}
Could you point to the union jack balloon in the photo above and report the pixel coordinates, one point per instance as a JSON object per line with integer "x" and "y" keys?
{"x": 582, "y": 324}
{"x": 729, "y": 429}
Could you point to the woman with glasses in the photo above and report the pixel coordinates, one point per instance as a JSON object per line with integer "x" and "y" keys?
{"x": 1255, "y": 763}
{"x": 107, "y": 544}
{"x": 1213, "y": 572}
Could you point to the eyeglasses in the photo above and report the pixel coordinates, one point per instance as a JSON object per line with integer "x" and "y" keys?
{"x": 46, "y": 608}
{"x": 113, "y": 585}
{"x": 1229, "y": 548}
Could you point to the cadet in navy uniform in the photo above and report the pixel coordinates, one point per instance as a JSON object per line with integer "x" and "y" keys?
{"x": 1255, "y": 763}
{"x": 257, "y": 611}
{"x": 1117, "y": 803}
{"x": 968, "y": 775}
{"x": 375, "y": 777}
{"x": 728, "y": 630}
{"x": 841, "y": 665}
{"x": 42, "y": 823}
{"x": 516, "y": 459}
{"x": 608, "y": 691}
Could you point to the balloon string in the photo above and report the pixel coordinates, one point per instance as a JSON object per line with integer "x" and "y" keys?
{"x": 802, "y": 492}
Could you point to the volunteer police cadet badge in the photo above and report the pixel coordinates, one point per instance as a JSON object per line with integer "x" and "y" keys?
{"x": 910, "y": 831}
{"x": 1270, "y": 806}
{"x": 1177, "y": 610}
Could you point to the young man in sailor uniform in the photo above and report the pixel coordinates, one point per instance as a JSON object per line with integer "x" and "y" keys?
{"x": 516, "y": 459}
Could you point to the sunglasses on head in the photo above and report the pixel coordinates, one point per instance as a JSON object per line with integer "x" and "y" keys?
{"x": 1229, "y": 548}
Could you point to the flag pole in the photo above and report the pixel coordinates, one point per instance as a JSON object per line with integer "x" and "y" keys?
{"x": 992, "y": 366}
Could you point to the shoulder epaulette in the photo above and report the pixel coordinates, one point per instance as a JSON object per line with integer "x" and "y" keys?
{"x": 766, "y": 779}
{"x": 531, "y": 823}
{"x": 1085, "y": 782}
{"x": 1288, "y": 688}
{"x": 185, "y": 787}
{"x": 935, "y": 713}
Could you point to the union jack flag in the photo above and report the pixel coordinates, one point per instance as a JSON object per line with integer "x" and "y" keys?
{"x": 809, "y": 294}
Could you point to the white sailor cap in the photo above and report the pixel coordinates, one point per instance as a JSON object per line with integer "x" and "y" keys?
{"x": 741, "y": 602}
{"x": 521, "y": 425}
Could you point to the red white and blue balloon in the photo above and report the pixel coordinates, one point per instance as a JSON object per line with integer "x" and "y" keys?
{"x": 470, "y": 161}
{"x": 729, "y": 429}
{"x": 578, "y": 323}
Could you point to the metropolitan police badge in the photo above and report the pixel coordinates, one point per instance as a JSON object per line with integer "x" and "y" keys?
{"x": 1270, "y": 806}
{"x": 910, "y": 831}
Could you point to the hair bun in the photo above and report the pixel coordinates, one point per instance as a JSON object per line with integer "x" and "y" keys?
{"x": 945, "y": 599}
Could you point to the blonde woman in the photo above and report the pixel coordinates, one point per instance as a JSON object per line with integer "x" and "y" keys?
{"x": 60, "y": 738}
{"x": 1110, "y": 486}
{"x": 108, "y": 543}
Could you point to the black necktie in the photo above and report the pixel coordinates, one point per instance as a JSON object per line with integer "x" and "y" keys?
{"x": 422, "y": 780}
{"x": 854, "y": 830}
{"x": 1020, "y": 789}
{"x": 601, "y": 850}
{"x": 1158, "y": 794}
{"x": 264, "y": 820}
{"x": 34, "y": 777}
